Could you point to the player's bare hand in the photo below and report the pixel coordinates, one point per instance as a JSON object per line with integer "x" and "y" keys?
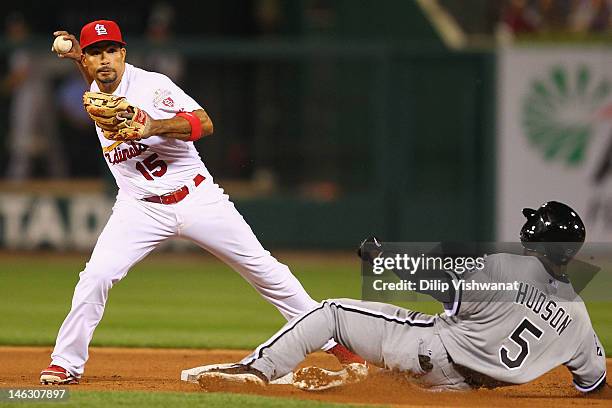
{"x": 75, "y": 52}
{"x": 125, "y": 115}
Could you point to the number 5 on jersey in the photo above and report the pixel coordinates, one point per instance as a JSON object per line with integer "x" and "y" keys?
{"x": 522, "y": 342}
{"x": 150, "y": 167}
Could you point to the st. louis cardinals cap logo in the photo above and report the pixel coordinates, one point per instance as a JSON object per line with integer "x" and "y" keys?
{"x": 100, "y": 29}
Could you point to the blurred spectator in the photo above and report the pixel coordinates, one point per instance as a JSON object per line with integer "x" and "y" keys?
{"x": 32, "y": 120}
{"x": 590, "y": 16}
{"x": 508, "y": 18}
{"x": 81, "y": 142}
{"x": 518, "y": 18}
{"x": 551, "y": 15}
{"x": 70, "y": 97}
{"x": 600, "y": 16}
{"x": 159, "y": 32}
{"x": 581, "y": 15}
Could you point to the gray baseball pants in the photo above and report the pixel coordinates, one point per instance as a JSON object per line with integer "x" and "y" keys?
{"x": 383, "y": 334}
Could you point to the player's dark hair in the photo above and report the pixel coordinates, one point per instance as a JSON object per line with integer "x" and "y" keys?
{"x": 89, "y": 47}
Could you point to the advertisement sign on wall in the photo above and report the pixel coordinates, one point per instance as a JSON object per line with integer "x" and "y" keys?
{"x": 31, "y": 221}
{"x": 554, "y": 138}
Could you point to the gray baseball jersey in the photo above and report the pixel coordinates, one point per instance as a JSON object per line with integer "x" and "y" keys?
{"x": 514, "y": 336}
{"x": 508, "y": 336}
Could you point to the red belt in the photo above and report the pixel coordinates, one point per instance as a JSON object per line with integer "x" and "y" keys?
{"x": 176, "y": 195}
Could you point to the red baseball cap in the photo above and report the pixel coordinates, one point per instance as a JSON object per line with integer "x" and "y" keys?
{"x": 100, "y": 30}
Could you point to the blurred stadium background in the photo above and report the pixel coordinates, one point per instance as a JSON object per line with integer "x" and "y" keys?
{"x": 414, "y": 120}
{"x": 334, "y": 119}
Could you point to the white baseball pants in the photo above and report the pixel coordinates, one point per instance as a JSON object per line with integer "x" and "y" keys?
{"x": 137, "y": 227}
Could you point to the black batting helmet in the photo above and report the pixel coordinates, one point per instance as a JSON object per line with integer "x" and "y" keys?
{"x": 553, "y": 230}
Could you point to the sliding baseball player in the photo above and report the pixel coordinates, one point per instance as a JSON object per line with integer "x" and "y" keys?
{"x": 484, "y": 338}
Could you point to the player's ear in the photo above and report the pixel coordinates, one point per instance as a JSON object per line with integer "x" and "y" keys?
{"x": 123, "y": 54}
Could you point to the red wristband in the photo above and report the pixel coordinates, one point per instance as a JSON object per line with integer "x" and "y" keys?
{"x": 196, "y": 125}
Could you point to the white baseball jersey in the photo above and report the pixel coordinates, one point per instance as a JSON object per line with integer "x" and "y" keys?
{"x": 516, "y": 336}
{"x": 156, "y": 165}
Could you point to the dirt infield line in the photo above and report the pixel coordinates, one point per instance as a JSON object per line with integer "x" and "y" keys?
{"x": 132, "y": 369}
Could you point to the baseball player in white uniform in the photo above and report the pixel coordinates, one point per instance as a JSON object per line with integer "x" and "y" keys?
{"x": 484, "y": 338}
{"x": 164, "y": 191}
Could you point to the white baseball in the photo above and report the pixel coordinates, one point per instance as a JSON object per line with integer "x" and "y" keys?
{"x": 61, "y": 46}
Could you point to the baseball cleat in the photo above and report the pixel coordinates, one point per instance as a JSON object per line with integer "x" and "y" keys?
{"x": 191, "y": 374}
{"x": 319, "y": 379}
{"x": 57, "y": 375}
{"x": 236, "y": 373}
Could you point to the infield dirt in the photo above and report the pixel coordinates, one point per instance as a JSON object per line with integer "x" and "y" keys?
{"x": 125, "y": 369}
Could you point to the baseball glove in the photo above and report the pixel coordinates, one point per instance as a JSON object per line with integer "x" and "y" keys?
{"x": 118, "y": 118}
